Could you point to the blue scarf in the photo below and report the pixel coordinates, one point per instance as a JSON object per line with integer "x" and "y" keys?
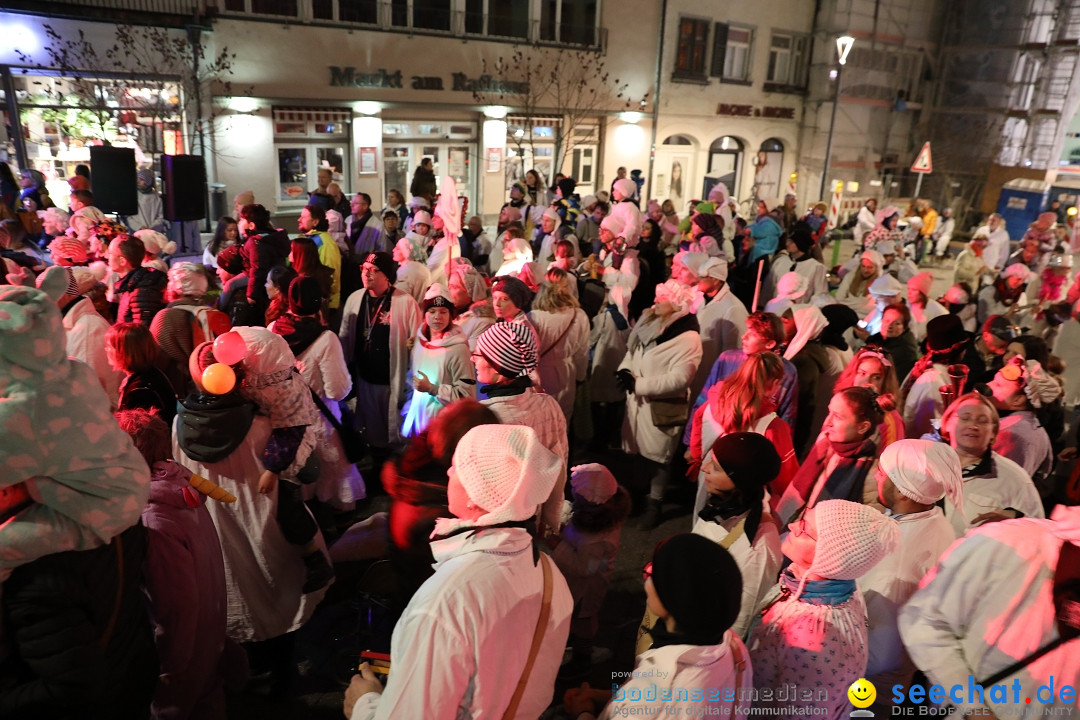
{"x": 818, "y": 592}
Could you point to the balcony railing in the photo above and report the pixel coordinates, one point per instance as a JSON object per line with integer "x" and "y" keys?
{"x": 396, "y": 17}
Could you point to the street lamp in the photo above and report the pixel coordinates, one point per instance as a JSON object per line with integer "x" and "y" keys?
{"x": 844, "y": 44}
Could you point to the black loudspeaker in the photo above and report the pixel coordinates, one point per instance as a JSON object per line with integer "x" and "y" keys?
{"x": 112, "y": 171}
{"x": 185, "y": 187}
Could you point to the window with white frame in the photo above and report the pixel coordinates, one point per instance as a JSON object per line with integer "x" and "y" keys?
{"x": 307, "y": 140}
{"x": 788, "y": 59}
{"x": 731, "y": 52}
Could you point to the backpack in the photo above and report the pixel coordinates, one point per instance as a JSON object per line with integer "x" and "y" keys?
{"x": 206, "y": 323}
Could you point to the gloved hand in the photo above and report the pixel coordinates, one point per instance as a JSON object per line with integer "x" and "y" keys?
{"x": 625, "y": 380}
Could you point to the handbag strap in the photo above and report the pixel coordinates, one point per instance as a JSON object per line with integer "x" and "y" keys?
{"x": 326, "y": 411}
{"x": 538, "y": 636}
{"x": 573, "y": 322}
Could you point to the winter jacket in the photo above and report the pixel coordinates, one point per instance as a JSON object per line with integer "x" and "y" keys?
{"x": 58, "y": 438}
{"x": 766, "y": 232}
{"x": 462, "y": 644}
{"x": 564, "y": 353}
{"x": 185, "y": 581}
{"x": 140, "y": 295}
{"x": 423, "y": 183}
{"x": 663, "y": 365}
{"x": 67, "y": 662}
{"x": 263, "y": 252}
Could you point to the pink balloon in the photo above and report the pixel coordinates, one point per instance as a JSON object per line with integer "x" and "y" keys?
{"x": 230, "y": 348}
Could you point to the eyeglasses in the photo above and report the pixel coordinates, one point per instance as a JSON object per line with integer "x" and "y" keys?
{"x": 646, "y": 572}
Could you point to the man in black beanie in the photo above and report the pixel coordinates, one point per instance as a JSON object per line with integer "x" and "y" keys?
{"x": 378, "y": 322}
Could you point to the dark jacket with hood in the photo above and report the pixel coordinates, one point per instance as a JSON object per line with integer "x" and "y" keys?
{"x": 140, "y": 295}
{"x": 81, "y": 636}
{"x": 263, "y": 251}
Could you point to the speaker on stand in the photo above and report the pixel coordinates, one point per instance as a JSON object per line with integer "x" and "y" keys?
{"x": 184, "y": 177}
{"x": 115, "y": 185}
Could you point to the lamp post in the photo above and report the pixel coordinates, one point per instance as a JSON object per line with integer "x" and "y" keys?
{"x": 843, "y": 47}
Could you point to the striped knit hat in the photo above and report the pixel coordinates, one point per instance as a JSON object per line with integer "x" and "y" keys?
{"x": 510, "y": 348}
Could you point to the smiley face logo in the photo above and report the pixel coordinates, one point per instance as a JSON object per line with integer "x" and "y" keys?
{"x": 862, "y": 693}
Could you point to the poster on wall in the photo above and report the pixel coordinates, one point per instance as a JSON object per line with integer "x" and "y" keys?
{"x": 767, "y": 175}
{"x": 367, "y": 160}
{"x": 458, "y": 163}
{"x": 676, "y": 182}
{"x": 494, "y": 160}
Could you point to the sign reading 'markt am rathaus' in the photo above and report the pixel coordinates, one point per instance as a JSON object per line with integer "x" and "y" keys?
{"x": 384, "y": 79}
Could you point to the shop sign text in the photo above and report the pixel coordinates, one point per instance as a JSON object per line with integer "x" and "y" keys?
{"x": 768, "y": 111}
{"x": 460, "y": 82}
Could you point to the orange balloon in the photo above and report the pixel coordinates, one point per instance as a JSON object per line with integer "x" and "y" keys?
{"x": 218, "y": 379}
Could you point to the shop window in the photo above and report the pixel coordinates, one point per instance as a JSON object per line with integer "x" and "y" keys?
{"x": 690, "y": 54}
{"x": 725, "y": 154}
{"x": 298, "y": 166}
{"x": 767, "y": 169}
{"x": 788, "y": 59}
{"x": 731, "y": 52}
{"x": 584, "y": 160}
{"x": 395, "y": 128}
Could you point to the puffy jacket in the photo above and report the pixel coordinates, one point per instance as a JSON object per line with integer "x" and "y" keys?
{"x": 71, "y": 659}
{"x": 261, "y": 253}
{"x": 141, "y": 294}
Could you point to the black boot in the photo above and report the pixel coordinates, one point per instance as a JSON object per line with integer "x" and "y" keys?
{"x": 650, "y": 519}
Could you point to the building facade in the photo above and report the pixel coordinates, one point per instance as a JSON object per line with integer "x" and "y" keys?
{"x": 369, "y": 89}
{"x": 733, "y": 83}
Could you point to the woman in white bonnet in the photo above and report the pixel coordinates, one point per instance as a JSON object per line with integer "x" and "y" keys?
{"x": 814, "y": 635}
{"x": 663, "y": 353}
{"x": 464, "y": 640}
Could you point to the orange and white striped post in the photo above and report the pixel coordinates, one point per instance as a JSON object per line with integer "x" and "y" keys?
{"x": 834, "y": 206}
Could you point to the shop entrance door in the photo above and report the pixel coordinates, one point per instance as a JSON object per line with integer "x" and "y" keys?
{"x": 400, "y": 160}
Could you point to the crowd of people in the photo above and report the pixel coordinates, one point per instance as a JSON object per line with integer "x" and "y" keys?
{"x": 189, "y": 447}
